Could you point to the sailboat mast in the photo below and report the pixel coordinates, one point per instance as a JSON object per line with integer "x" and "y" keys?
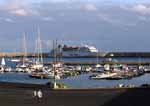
{"x": 38, "y": 53}
{"x": 24, "y": 48}
{"x": 54, "y": 63}
{"x": 35, "y": 52}
{"x": 56, "y": 51}
{"x": 40, "y": 47}
{"x": 97, "y": 56}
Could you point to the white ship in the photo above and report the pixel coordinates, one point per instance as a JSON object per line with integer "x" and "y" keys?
{"x": 76, "y": 51}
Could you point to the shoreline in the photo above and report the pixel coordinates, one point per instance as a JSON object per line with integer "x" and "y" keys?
{"x": 14, "y": 94}
{"x": 47, "y": 87}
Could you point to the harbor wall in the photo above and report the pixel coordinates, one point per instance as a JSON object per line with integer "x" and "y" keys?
{"x": 100, "y": 54}
{"x": 19, "y": 54}
{"x": 127, "y": 54}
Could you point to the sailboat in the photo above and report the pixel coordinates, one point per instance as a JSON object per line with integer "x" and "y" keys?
{"x": 3, "y": 62}
{"x": 38, "y": 69}
{"x": 53, "y": 73}
{"x": 23, "y": 66}
{"x": 98, "y": 67}
{"x": 56, "y": 65}
{"x": 38, "y": 49}
{"x": 3, "y": 67}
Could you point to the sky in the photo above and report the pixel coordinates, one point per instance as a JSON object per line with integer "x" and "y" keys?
{"x": 109, "y": 25}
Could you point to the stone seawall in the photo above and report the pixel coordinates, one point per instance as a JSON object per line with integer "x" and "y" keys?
{"x": 100, "y": 54}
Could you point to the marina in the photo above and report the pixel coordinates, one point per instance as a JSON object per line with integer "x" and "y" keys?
{"x": 75, "y": 80}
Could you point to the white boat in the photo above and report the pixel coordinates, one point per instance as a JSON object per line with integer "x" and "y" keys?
{"x": 98, "y": 66}
{"x": 37, "y": 66}
{"x": 107, "y": 67}
{"x": 103, "y": 75}
{"x": 15, "y": 60}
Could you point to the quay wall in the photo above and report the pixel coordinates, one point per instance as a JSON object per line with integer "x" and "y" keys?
{"x": 100, "y": 54}
{"x": 102, "y": 63}
{"x": 127, "y": 54}
{"x": 21, "y": 54}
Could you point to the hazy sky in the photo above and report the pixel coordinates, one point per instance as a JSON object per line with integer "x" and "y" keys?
{"x": 110, "y": 25}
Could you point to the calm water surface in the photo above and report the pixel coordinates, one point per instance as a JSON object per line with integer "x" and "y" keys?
{"x": 81, "y": 81}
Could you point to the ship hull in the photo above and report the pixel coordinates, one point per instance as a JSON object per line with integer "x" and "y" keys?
{"x": 13, "y": 94}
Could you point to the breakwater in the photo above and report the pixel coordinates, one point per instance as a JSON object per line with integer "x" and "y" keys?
{"x": 127, "y": 54}
{"x": 102, "y": 63}
{"x": 100, "y": 54}
{"x": 20, "y": 54}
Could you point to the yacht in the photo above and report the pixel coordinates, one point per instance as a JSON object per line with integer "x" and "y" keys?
{"x": 103, "y": 75}
{"x": 15, "y": 60}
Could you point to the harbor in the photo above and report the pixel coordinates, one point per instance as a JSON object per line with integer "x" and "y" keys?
{"x": 74, "y": 52}
{"x": 80, "y": 74}
{"x": 61, "y": 81}
{"x": 65, "y": 62}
